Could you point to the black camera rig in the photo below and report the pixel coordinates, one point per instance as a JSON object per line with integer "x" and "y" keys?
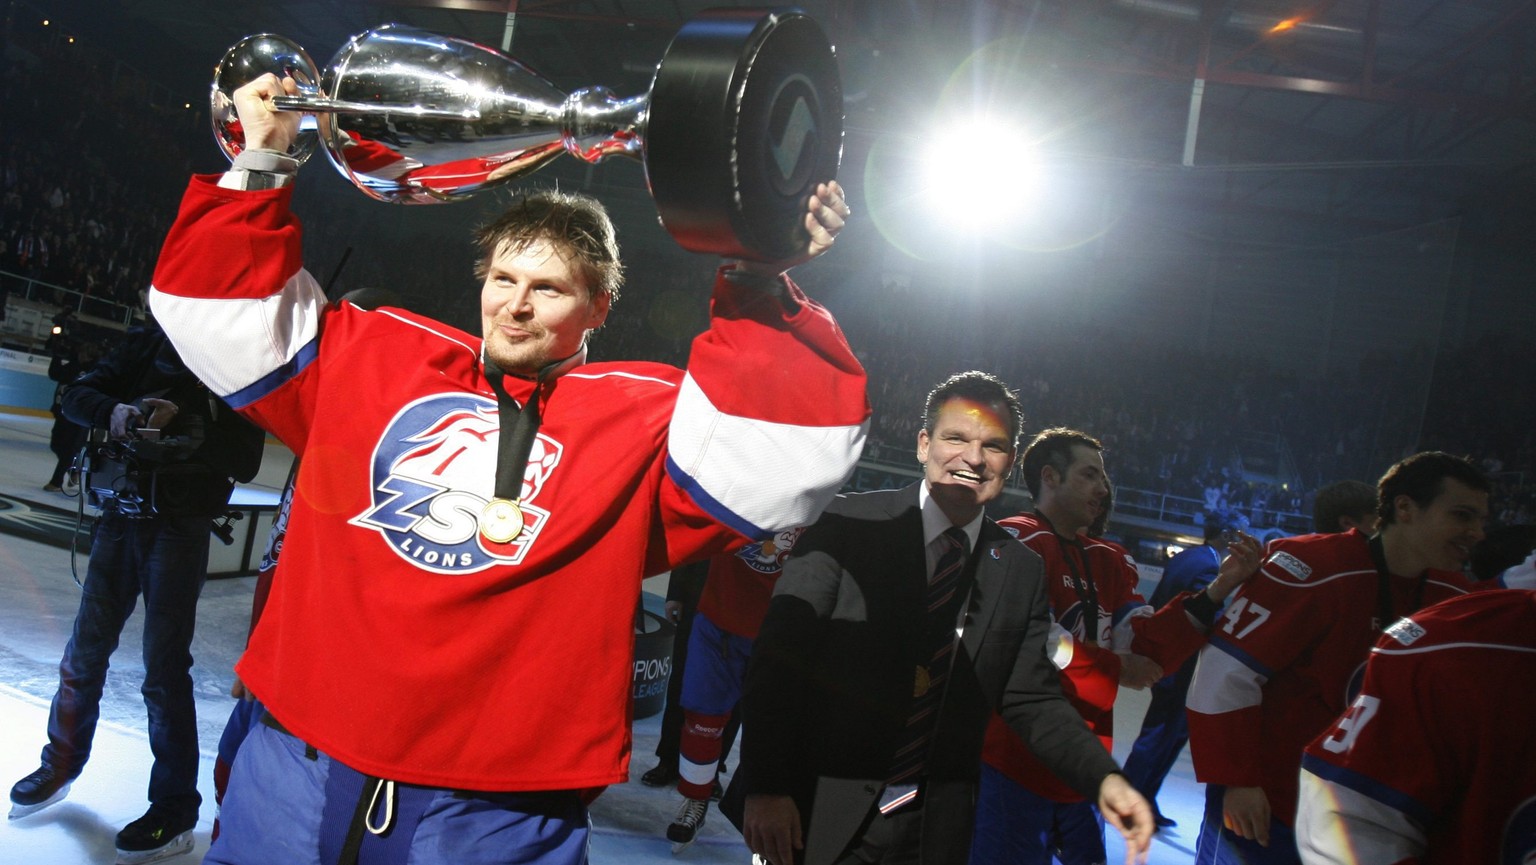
{"x": 146, "y": 475}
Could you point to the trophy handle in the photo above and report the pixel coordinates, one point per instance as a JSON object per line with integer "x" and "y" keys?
{"x": 247, "y": 60}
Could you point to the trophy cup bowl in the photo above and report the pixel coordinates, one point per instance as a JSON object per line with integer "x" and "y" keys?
{"x": 743, "y": 118}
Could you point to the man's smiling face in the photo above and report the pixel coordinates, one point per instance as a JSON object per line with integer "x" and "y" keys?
{"x": 967, "y": 457}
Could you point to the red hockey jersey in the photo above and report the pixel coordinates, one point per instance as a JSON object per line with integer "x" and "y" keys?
{"x": 1287, "y": 658}
{"x": 398, "y": 638}
{"x": 1434, "y": 761}
{"x": 740, "y": 585}
{"x": 1088, "y": 640}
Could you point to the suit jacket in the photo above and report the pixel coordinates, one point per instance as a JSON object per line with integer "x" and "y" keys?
{"x": 829, "y": 686}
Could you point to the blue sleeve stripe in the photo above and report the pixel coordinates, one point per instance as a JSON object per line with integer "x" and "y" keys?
{"x": 1247, "y": 660}
{"x": 710, "y": 505}
{"x": 1126, "y": 609}
{"x": 1367, "y": 786}
{"x": 270, "y": 382}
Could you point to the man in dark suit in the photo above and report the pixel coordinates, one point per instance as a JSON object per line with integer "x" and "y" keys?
{"x": 903, "y": 619}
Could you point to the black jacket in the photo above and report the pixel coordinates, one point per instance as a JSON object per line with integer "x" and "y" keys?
{"x": 829, "y": 686}
{"x": 208, "y": 446}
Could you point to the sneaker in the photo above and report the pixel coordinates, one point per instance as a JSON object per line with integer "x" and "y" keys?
{"x": 689, "y": 818}
{"x": 37, "y": 791}
{"x": 155, "y": 836}
{"x": 718, "y": 793}
{"x": 663, "y": 774}
{"x": 52, "y": 487}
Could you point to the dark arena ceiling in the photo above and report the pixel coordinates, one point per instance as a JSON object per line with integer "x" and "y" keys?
{"x": 1304, "y": 122}
{"x": 1363, "y": 112}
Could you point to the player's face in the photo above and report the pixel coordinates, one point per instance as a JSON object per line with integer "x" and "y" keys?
{"x": 967, "y": 458}
{"x": 1079, "y": 496}
{"x": 1444, "y": 532}
{"x": 535, "y": 308}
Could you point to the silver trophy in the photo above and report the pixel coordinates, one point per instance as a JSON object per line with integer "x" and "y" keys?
{"x": 743, "y": 118}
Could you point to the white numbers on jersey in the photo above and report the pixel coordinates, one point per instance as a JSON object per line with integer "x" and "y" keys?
{"x": 1348, "y": 727}
{"x": 1239, "y": 608}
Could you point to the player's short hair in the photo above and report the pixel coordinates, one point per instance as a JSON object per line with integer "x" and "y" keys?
{"x": 1053, "y": 447}
{"x": 1349, "y": 498}
{"x": 576, "y": 225}
{"x": 1422, "y": 477}
{"x": 981, "y": 387}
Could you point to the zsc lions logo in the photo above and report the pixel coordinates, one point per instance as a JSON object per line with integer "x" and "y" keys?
{"x": 434, "y": 470}
{"x": 767, "y": 557}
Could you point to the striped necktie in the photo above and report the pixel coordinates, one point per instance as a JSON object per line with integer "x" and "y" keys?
{"x": 928, "y": 679}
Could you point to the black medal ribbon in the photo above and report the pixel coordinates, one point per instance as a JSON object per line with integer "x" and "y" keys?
{"x": 1082, "y": 582}
{"x": 1385, "y": 614}
{"x": 502, "y": 519}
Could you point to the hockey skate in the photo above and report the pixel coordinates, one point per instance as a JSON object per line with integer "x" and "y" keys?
{"x": 155, "y": 836}
{"x": 37, "y": 791}
{"x": 686, "y": 825}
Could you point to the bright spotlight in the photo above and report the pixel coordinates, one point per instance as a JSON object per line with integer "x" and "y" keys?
{"x": 983, "y": 171}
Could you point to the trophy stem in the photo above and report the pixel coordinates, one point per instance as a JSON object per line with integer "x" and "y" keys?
{"x": 321, "y": 105}
{"x": 595, "y": 124}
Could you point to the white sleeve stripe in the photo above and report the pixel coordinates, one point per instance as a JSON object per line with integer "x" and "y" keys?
{"x": 270, "y": 331}
{"x": 1124, "y": 632}
{"x": 1223, "y": 684}
{"x": 739, "y": 462}
{"x": 1336, "y": 825}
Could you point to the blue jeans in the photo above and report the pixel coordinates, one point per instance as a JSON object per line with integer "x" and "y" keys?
{"x": 166, "y": 560}
{"x": 1218, "y": 845}
{"x": 1164, "y": 733}
{"x": 1016, "y": 826}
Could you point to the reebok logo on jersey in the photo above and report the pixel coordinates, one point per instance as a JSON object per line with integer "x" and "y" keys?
{"x": 1406, "y": 632}
{"x": 433, "y": 472}
{"x": 1291, "y": 565}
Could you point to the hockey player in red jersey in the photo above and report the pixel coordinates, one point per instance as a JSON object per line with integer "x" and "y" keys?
{"x": 1288, "y": 656}
{"x": 1106, "y": 636}
{"x": 1433, "y": 763}
{"x": 444, "y": 656}
{"x": 731, "y": 610}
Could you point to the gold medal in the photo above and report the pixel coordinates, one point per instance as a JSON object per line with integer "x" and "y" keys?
{"x": 501, "y": 521}
{"x": 921, "y": 682}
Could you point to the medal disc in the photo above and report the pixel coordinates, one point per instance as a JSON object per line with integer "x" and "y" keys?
{"x": 501, "y": 521}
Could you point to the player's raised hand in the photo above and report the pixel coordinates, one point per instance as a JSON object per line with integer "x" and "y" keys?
{"x": 1244, "y": 554}
{"x": 264, "y": 126}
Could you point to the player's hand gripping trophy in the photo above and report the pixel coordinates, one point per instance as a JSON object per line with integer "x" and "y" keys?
{"x": 743, "y": 118}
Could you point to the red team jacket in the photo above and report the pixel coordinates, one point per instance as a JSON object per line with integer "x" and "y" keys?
{"x": 1090, "y": 673}
{"x": 400, "y": 640}
{"x": 1435, "y": 761}
{"x": 1287, "y": 659}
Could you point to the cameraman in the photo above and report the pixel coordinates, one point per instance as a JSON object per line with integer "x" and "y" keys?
{"x": 173, "y": 456}
{"x": 69, "y": 360}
